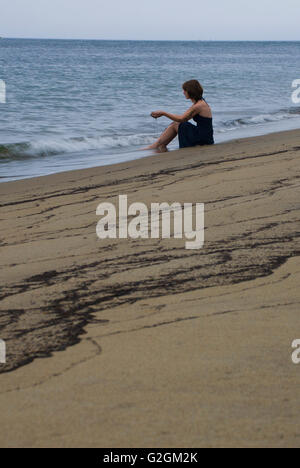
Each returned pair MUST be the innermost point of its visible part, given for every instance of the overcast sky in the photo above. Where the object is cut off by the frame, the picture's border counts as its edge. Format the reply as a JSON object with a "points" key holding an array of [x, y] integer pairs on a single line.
{"points": [[151, 19]]}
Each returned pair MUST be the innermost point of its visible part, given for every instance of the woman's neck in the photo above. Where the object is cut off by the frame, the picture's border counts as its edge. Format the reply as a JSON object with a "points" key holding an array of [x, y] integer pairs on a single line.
{"points": [[194, 101]]}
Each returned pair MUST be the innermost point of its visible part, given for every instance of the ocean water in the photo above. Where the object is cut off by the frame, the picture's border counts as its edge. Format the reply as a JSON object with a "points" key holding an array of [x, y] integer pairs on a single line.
{"points": [[76, 104]]}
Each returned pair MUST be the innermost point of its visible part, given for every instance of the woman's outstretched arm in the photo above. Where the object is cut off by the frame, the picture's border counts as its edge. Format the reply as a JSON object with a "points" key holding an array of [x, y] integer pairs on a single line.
{"points": [[177, 118]]}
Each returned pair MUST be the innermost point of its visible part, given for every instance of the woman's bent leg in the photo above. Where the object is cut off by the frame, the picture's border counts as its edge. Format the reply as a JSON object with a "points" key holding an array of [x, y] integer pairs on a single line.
{"points": [[166, 137]]}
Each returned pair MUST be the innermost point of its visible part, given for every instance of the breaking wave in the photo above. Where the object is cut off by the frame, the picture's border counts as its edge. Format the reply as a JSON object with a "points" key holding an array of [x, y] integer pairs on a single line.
{"points": [[56, 146], [244, 122], [48, 147]]}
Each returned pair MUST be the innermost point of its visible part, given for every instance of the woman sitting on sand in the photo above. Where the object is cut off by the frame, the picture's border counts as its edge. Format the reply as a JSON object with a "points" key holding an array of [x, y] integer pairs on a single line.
{"points": [[188, 134]]}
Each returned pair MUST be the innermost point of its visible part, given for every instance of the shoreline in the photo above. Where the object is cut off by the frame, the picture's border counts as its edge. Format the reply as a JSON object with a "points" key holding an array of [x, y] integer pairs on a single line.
{"points": [[231, 141], [130, 328]]}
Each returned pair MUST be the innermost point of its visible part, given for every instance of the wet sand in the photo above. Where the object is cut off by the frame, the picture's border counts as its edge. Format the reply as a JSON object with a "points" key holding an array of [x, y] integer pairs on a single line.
{"points": [[142, 343]]}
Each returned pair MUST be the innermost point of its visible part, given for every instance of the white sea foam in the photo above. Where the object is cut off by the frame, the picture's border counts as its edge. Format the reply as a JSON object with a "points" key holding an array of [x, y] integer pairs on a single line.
{"points": [[49, 146], [56, 146], [260, 119]]}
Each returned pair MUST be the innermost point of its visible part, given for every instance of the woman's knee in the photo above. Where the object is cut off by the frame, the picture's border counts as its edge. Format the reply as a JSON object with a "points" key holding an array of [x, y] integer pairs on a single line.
{"points": [[174, 125]]}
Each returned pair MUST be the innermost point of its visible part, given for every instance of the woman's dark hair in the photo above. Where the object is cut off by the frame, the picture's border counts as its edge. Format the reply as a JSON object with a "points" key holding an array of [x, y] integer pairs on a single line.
{"points": [[194, 89]]}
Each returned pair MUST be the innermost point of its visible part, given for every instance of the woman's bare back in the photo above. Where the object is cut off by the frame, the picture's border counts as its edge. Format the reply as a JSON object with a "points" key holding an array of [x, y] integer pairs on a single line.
{"points": [[203, 109]]}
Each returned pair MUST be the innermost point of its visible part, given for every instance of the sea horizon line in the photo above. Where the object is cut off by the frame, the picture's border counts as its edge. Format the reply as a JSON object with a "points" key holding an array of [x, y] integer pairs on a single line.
{"points": [[148, 40]]}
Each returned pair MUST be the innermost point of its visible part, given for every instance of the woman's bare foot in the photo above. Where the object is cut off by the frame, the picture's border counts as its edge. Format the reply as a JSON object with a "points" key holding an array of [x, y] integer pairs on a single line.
{"points": [[154, 146], [157, 148], [162, 149]]}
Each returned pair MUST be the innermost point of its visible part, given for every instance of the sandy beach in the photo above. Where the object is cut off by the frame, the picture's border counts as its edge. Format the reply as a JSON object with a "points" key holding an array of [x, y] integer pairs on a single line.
{"points": [[143, 343]]}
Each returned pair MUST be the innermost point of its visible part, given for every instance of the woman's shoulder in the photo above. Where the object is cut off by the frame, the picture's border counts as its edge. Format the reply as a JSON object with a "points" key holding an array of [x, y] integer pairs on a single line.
{"points": [[201, 103]]}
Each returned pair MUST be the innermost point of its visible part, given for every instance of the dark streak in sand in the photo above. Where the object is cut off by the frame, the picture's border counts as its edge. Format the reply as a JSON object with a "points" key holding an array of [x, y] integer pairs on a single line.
{"points": [[59, 321]]}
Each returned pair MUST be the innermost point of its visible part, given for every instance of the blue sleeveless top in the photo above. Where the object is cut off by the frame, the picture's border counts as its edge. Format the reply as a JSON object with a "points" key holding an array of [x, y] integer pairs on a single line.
{"points": [[192, 135]]}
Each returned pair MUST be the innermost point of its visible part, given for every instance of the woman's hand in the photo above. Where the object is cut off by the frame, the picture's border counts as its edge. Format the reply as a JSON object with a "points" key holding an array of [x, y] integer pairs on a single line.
{"points": [[157, 114]]}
